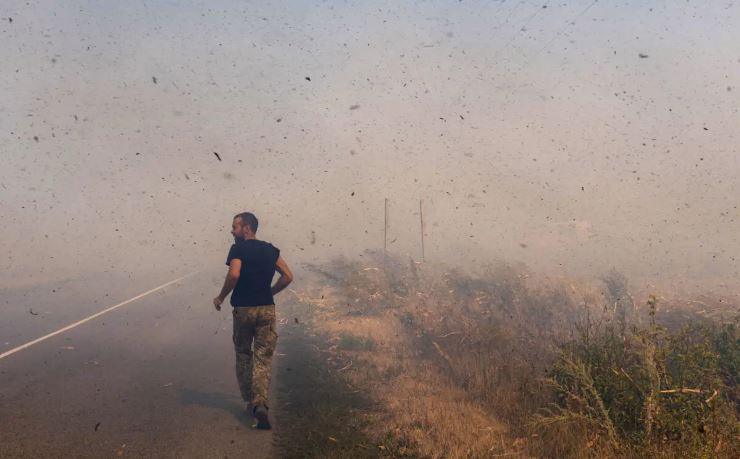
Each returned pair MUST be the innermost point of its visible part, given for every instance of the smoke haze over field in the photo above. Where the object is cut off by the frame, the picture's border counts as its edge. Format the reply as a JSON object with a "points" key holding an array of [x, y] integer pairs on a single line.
{"points": [[573, 136]]}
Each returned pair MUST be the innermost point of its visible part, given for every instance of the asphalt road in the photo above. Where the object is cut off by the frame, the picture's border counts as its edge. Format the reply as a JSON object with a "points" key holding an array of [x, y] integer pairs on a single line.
{"points": [[154, 378]]}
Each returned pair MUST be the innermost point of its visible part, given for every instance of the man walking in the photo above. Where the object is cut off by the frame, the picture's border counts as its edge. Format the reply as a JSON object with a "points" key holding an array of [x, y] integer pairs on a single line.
{"points": [[252, 265]]}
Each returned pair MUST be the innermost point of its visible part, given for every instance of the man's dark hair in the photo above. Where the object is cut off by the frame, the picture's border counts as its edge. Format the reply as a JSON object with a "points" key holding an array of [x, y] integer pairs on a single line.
{"points": [[249, 219]]}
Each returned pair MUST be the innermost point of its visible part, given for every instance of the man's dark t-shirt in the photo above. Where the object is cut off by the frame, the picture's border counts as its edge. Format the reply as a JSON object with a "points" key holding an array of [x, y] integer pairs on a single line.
{"points": [[254, 287]]}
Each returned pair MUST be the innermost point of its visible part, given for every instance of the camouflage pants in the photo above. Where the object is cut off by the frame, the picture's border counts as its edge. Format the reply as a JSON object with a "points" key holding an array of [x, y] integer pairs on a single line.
{"points": [[254, 323]]}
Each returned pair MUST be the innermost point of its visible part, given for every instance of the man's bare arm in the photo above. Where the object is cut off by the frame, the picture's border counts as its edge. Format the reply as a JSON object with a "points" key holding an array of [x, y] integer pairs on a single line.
{"points": [[229, 283], [286, 277]]}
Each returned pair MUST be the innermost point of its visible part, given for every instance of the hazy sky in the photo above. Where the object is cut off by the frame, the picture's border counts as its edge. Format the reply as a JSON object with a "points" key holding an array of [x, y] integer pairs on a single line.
{"points": [[568, 135]]}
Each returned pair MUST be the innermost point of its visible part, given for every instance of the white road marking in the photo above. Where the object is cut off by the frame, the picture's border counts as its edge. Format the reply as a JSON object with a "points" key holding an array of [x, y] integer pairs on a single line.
{"points": [[87, 319]]}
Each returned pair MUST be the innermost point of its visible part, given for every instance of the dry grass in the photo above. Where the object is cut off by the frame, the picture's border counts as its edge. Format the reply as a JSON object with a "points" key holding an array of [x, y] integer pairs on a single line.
{"points": [[461, 365], [420, 411]]}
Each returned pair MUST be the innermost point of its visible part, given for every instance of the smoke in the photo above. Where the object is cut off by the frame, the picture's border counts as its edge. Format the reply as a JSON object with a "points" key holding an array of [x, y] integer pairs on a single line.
{"points": [[573, 138]]}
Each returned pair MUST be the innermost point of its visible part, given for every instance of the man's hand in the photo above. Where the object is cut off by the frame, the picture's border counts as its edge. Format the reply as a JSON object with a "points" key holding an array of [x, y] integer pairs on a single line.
{"points": [[286, 277], [229, 283]]}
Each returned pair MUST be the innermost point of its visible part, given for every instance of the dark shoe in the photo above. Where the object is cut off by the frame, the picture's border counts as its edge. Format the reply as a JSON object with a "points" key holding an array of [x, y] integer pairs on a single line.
{"points": [[260, 413]]}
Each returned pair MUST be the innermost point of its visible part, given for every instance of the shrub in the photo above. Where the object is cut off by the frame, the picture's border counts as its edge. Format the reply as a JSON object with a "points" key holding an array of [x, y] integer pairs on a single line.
{"points": [[647, 392]]}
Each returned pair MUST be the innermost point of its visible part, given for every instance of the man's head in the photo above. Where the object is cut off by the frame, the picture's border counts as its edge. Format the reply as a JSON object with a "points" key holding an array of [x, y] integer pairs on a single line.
{"points": [[244, 226]]}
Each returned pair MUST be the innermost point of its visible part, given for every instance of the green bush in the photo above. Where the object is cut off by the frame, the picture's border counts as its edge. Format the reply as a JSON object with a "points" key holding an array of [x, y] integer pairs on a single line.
{"points": [[647, 392]]}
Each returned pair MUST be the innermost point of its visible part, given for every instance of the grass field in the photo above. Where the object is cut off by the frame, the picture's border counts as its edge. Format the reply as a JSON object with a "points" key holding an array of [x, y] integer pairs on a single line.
{"points": [[506, 364]]}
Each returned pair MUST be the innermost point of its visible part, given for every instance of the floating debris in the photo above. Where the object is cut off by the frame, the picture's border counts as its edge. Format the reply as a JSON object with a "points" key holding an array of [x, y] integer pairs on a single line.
{"points": [[217, 156]]}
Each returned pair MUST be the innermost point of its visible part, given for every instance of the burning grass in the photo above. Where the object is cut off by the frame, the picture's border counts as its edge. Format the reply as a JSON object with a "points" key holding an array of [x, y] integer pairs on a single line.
{"points": [[503, 363]]}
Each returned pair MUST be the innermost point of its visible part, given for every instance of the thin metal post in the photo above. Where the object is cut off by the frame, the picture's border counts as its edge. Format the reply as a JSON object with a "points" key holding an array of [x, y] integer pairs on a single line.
{"points": [[385, 229], [421, 217]]}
